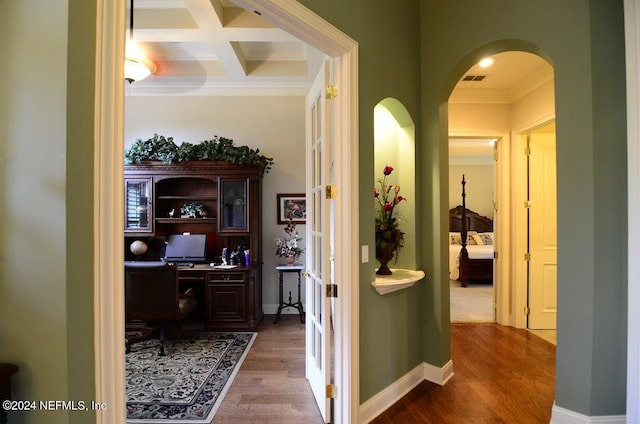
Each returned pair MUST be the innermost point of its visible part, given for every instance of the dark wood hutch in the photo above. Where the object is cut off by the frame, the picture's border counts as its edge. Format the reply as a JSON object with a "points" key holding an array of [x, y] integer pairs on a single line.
{"points": [[228, 199]]}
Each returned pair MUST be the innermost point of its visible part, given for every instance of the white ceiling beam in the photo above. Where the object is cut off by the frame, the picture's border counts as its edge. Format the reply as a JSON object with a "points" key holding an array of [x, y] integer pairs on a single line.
{"points": [[208, 15], [169, 35]]}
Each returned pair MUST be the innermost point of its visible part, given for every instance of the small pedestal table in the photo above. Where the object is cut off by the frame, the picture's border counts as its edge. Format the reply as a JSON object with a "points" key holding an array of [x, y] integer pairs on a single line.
{"points": [[282, 269]]}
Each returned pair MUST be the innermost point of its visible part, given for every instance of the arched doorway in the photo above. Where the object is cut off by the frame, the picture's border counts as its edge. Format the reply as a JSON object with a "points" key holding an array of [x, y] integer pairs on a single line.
{"points": [[496, 104]]}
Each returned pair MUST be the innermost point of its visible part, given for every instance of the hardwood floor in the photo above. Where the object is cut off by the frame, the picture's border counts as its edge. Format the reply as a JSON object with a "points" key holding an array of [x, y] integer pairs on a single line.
{"points": [[502, 375], [271, 387]]}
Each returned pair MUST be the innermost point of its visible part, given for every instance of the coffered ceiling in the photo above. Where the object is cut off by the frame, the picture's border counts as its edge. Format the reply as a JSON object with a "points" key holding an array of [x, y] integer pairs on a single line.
{"points": [[214, 47]]}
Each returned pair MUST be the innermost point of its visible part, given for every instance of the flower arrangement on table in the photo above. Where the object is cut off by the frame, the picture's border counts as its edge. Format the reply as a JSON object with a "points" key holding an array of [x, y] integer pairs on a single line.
{"points": [[389, 238], [288, 246]]}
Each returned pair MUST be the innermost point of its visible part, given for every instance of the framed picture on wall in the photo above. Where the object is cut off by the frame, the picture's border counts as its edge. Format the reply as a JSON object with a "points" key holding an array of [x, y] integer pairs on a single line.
{"points": [[292, 207]]}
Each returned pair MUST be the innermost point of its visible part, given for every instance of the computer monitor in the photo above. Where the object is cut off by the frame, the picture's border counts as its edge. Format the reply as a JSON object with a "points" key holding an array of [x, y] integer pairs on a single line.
{"points": [[186, 248]]}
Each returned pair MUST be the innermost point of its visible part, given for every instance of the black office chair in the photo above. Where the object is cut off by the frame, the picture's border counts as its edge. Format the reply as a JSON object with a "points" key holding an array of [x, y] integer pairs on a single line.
{"points": [[152, 296]]}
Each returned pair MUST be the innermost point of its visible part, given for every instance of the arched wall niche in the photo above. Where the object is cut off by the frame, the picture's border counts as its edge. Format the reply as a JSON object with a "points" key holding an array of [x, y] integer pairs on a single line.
{"points": [[394, 144]]}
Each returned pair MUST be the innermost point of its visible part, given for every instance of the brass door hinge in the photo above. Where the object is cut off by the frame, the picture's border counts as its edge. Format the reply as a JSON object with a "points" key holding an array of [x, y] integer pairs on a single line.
{"points": [[527, 310], [527, 204], [331, 192], [527, 256], [331, 391], [495, 206], [527, 151], [332, 290], [331, 92]]}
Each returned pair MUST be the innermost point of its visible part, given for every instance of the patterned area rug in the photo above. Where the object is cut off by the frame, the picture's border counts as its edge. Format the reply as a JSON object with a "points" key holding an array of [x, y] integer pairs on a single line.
{"points": [[188, 384]]}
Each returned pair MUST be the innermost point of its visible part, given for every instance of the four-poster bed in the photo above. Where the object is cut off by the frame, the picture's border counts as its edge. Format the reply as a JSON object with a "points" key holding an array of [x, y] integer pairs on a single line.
{"points": [[470, 244]]}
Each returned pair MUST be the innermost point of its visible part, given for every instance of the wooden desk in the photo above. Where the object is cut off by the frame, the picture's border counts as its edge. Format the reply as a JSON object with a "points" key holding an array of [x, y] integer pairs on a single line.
{"points": [[282, 269], [231, 298], [228, 299]]}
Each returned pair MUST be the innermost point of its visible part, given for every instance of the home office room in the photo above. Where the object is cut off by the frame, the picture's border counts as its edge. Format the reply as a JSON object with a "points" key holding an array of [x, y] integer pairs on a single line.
{"points": [[214, 181], [63, 245]]}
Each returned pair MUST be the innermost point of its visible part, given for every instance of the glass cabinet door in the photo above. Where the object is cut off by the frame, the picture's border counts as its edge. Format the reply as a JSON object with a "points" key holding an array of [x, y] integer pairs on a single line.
{"points": [[138, 213], [233, 205]]}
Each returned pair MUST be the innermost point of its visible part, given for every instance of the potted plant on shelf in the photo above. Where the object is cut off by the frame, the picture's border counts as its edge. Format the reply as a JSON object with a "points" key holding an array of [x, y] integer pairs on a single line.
{"points": [[164, 149], [193, 210], [389, 238], [287, 247]]}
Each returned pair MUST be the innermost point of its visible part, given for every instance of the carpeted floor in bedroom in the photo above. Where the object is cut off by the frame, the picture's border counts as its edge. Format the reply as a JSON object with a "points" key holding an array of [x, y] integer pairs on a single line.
{"points": [[474, 303]]}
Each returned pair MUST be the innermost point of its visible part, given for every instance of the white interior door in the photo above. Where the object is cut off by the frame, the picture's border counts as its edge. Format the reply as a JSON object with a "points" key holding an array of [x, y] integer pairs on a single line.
{"points": [[543, 242], [319, 242]]}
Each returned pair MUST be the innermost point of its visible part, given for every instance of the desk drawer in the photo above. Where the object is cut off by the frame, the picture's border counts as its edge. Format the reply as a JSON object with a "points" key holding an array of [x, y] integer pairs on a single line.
{"points": [[226, 277], [191, 276]]}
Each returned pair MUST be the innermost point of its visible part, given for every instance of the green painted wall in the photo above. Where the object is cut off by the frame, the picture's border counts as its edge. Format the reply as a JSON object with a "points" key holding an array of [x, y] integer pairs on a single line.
{"points": [[46, 167], [410, 50], [388, 36], [584, 41]]}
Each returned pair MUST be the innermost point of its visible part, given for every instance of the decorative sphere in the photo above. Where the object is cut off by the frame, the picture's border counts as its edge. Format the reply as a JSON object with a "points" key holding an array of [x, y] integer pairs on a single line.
{"points": [[138, 247]]}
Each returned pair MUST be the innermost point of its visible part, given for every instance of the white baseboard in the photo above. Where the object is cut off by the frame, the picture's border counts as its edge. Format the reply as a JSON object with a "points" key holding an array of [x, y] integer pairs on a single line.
{"points": [[565, 416], [438, 375], [393, 393]]}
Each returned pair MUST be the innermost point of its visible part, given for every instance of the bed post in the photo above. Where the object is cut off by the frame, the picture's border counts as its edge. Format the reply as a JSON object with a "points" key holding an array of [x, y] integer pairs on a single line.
{"points": [[464, 255]]}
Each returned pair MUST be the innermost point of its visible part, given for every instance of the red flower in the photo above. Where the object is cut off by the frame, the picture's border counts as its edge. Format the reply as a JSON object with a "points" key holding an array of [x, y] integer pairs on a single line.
{"points": [[388, 232]]}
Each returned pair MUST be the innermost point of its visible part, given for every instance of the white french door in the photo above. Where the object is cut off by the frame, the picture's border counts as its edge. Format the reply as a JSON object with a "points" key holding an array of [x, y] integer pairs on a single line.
{"points": [[319, 248]]}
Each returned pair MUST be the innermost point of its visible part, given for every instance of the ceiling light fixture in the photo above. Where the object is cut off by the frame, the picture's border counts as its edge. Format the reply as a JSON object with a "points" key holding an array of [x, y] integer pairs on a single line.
{"points": [[486, 62], [136, 66]]}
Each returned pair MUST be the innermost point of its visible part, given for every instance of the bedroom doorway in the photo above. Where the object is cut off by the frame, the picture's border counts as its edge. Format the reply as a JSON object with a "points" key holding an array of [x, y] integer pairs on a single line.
{"points": [[472, 157]]}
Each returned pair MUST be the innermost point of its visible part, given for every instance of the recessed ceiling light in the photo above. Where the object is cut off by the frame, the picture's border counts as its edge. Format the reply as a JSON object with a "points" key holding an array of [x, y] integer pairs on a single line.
{"points": [[487, 61]]}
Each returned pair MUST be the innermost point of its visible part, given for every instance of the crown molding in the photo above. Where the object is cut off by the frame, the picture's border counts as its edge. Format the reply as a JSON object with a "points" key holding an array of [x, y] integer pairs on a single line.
{"points": [[503, 95], [533, 81], [480, 95], [273, 89]]}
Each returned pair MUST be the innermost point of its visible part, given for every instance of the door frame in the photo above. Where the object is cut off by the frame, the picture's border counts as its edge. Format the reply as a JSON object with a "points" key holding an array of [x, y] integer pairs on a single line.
{"points": [[502, 286], [108, 198]]}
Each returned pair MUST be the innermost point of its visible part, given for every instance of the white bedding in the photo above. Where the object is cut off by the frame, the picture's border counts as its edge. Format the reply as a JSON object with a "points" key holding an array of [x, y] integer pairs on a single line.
{"points": [[474, 251]]}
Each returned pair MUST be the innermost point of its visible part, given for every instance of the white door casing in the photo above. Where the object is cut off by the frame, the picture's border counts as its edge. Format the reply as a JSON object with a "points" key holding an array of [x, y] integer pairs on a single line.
{"points": [[109, 299]]}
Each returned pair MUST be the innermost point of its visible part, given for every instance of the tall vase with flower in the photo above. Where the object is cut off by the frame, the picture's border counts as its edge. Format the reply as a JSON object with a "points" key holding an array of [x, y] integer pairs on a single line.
{"points": [[389, 238], [288, 247]]}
